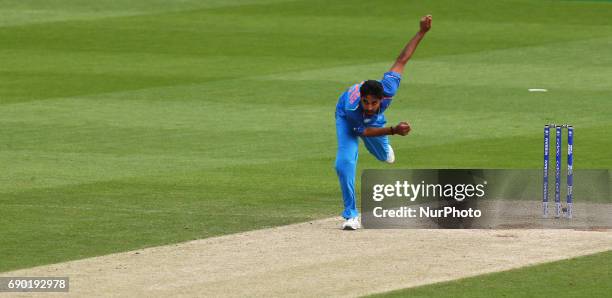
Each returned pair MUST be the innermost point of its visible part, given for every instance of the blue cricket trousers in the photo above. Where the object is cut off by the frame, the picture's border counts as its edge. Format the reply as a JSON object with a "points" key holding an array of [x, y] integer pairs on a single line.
{"points": [[346, 160]]}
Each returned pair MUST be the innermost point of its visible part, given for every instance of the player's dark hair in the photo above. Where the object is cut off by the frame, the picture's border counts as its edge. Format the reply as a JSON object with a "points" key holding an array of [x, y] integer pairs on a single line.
{"points": [[371, 87]]}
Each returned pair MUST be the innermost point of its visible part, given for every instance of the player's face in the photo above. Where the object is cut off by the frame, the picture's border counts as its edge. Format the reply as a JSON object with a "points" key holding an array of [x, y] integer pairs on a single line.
{"points": [[370, 104]]}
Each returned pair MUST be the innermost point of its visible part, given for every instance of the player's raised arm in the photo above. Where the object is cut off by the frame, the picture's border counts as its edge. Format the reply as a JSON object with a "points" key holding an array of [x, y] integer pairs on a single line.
{"points": [[409, 49]]}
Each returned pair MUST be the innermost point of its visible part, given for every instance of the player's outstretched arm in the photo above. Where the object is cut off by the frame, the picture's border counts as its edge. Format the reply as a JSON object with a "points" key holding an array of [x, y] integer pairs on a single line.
{"points": [[409, 49], [403, 128]]}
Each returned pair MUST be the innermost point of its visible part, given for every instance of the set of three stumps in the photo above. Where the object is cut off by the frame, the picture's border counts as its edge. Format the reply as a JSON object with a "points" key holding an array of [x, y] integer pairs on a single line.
{"points": [[570, 171]]}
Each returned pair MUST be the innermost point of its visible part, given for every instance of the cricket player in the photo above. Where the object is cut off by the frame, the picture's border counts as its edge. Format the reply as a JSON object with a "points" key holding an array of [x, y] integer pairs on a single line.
{"points": [[359, 114]]}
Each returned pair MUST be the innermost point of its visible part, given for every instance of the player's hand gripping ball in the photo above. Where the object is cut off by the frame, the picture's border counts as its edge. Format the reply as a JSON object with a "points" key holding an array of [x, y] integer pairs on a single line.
{"points": [[403, 128]]}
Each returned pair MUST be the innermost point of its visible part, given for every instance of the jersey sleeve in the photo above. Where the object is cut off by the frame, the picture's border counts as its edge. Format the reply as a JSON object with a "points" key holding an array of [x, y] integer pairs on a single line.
{"points": [[385, 103], [391, 81]]}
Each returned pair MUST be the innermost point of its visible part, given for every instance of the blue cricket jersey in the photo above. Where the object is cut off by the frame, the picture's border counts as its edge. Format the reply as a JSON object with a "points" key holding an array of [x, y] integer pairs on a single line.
{"points": [[349, 106]]}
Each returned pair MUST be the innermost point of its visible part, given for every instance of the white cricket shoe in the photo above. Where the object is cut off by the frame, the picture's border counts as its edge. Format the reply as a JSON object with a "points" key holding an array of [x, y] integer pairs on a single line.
{"points": [[351, 224], [390, 155]]}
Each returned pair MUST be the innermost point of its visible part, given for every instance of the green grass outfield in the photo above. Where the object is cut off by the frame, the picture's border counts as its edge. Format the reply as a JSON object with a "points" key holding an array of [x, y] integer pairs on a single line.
{"points": [[128, 124], [579, 277]]}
